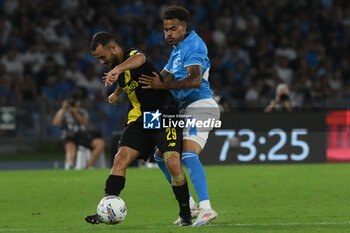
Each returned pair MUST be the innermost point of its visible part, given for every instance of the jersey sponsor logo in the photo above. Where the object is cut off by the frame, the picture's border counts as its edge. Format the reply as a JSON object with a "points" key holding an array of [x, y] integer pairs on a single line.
{"points": [[151, 120], [130, 87]]}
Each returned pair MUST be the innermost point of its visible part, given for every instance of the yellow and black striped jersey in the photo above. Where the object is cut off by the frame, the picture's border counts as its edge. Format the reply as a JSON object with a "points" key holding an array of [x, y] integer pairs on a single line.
{"points": [[143, 99]]}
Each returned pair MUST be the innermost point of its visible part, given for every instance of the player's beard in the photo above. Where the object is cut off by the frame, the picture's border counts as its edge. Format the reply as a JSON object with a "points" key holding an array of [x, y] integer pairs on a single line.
{"points": [[175, 41], [114, 61]]}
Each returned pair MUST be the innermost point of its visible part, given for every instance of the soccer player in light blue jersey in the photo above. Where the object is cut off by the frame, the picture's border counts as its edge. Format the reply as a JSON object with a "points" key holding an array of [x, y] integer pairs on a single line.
{"points": [[186, 75]]}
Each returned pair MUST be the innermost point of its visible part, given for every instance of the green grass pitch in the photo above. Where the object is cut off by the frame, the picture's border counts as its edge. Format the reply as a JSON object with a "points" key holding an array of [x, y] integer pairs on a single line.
{"points": [[248, 198]]}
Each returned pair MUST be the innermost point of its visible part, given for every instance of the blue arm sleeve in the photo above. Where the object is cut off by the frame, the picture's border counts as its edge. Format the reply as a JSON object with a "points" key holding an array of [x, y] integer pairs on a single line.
{"points": [[194, 59]]}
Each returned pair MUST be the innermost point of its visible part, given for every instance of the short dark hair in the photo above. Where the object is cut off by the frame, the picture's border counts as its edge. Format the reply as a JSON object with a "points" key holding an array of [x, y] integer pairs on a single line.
{"points": [[101, 38], [175, 12]]}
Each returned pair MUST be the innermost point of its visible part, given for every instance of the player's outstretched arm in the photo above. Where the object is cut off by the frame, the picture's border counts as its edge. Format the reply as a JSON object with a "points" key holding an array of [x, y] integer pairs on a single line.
{"points": [[132, 62], [193, 80]]}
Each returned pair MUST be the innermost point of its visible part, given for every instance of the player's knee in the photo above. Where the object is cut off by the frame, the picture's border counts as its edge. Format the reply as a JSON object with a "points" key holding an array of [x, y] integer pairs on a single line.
{"points": [[173, 164], [124, 157], [190, 145], [172, 160], [121, 160]]}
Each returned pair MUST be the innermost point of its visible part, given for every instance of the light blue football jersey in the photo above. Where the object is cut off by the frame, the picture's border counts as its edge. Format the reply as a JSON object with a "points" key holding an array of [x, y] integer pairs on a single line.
{"points": [[191, 51]]}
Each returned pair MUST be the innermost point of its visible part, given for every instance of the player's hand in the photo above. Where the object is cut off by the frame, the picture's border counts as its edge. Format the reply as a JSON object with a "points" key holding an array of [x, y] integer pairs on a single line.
{"points": [[111, 77], [152, 82], [113, 98]]}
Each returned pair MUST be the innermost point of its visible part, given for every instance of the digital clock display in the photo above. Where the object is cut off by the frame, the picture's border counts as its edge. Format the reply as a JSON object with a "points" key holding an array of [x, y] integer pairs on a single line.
{"points": [[267, 138], [248, 143]]}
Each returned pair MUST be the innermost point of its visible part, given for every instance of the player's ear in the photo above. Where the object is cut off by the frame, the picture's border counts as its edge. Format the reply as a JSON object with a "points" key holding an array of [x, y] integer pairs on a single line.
{"points": [[113, 47], [185, 27]]}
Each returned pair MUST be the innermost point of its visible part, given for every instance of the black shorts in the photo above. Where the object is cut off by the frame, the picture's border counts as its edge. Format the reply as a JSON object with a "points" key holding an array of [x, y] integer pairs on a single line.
{"points": [[82, 138], [146, 140]]}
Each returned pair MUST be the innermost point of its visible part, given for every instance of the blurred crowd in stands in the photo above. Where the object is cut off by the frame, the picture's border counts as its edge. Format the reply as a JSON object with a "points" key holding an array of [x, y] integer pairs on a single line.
{"points": [[253, 46]]}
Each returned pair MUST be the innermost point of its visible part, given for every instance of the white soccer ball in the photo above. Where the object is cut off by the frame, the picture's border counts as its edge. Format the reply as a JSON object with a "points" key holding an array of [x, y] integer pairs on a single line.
{"points": [[111, 210]]}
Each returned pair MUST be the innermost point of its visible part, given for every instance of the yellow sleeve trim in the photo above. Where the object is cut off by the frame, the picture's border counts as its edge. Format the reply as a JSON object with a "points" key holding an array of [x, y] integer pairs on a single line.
{"points": [[133, 52]]}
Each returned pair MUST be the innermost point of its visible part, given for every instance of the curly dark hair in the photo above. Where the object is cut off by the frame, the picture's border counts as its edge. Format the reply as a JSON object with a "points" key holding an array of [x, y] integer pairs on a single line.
{"points": [[176, 12]]}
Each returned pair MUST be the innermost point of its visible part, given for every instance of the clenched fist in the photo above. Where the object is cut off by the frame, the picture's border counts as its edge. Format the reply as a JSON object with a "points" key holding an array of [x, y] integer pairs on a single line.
{"points": [[113, 98]]}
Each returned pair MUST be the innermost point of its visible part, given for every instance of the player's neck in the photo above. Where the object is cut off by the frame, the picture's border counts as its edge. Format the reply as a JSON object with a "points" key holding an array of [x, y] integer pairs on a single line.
{"points": [[120, 55], [184, 37]]}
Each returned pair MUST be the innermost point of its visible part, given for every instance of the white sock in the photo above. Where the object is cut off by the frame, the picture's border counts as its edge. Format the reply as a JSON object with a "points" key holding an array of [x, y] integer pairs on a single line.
{"points": [[205, 204], [192, 203], [67, 165]]}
